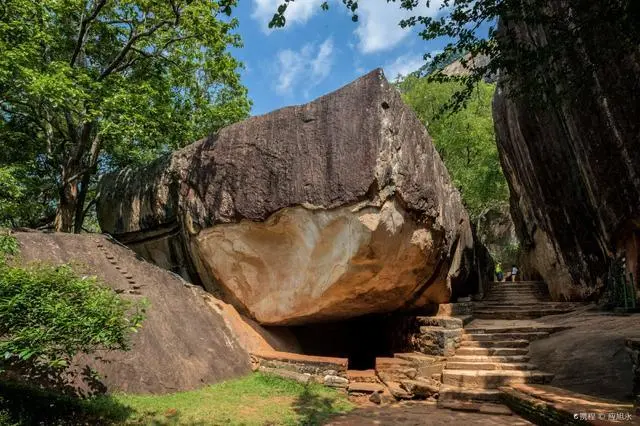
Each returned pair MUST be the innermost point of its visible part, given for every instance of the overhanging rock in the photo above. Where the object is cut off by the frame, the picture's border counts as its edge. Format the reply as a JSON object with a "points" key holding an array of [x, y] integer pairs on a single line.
{"points": [[325, 211]]}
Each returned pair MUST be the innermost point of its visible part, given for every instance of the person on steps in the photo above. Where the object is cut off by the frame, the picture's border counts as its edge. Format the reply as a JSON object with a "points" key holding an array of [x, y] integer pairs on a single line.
{"points": [[499, 273], [514, 272]]}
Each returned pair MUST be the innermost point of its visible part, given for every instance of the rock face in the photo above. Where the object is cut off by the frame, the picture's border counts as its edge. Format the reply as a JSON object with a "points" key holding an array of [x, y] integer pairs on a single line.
{"points": [[573, 166], [183, 343], [329, 210]]}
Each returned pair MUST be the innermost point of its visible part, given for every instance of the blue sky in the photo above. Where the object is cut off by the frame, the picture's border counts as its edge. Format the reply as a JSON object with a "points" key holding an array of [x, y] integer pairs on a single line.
{"points": [[319, 51]]}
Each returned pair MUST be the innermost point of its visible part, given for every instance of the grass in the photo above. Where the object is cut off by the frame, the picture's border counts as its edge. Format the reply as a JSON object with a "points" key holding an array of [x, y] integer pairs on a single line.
{"points": [[256, 399]]}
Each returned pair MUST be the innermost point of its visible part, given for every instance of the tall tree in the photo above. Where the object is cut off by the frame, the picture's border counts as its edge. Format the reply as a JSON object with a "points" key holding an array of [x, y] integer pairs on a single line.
{"points": [[88, 85], [465, 140]]}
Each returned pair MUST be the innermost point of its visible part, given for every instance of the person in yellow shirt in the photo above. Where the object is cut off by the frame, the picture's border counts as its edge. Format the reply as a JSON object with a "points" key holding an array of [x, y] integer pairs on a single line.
{"points": [[499, 273]]}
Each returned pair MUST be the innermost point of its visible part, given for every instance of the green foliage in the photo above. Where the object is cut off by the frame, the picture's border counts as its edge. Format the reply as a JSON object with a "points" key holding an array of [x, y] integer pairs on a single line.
{"points": [[86, 86], [8, 245], [464, 139], [48, 314]]}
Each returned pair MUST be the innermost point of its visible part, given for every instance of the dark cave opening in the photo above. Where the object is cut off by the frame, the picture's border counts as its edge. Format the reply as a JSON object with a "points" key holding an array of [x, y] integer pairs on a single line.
{"points": [[361, 340]]}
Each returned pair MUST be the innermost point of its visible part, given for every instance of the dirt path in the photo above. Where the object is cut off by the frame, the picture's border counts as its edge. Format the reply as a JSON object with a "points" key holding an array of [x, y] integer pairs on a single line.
{"points": [[421, 414]]}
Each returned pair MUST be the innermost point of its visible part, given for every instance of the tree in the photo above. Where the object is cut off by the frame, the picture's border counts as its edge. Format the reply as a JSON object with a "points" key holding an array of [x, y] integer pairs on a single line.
{"points": [[465, 140], [526, 62], [89, 85]]}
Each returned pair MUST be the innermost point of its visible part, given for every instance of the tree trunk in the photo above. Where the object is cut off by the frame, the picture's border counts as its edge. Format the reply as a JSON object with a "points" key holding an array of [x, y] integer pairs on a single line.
{"points": [[66, 207], [84, 185]]}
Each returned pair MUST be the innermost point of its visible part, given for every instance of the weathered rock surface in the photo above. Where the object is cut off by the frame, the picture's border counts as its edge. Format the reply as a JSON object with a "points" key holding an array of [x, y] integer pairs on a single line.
{"points": [[572, 166], [183, 343], [330, 210]]}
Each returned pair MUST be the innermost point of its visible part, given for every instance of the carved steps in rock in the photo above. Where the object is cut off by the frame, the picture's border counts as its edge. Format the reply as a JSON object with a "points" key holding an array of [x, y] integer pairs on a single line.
{"points": [[492, 351], [493, 379], [516, 359], [481, 337], [458, 365], [498, 329], [517, 314], [512, 343]]}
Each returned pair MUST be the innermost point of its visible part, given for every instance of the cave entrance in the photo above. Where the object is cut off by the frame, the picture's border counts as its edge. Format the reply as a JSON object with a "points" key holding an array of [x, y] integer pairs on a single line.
{"points": [[361, 340]]}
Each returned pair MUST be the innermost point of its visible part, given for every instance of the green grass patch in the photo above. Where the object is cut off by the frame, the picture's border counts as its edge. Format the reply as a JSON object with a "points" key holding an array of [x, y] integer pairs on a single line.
{"points": [[256, 399]]}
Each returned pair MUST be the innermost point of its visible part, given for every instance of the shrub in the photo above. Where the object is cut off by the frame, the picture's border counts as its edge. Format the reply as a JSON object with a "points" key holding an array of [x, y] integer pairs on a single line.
{"points": [[49, 314]]}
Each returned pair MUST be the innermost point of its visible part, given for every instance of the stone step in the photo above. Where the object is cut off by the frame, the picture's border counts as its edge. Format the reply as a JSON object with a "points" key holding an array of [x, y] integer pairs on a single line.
{"points": [[514, 359], [495, 329], [454, 365], [362, 376], [492, 351], [540, 306], [488, 379], [455, 393], [516, 315], [476, 407], [483, 337], [514, 343], [365, 387], [518, 297]]}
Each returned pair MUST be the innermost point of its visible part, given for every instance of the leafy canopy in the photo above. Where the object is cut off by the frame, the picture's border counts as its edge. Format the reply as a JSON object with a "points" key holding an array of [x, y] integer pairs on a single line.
{"points": [[90, 85], [465, 140]]}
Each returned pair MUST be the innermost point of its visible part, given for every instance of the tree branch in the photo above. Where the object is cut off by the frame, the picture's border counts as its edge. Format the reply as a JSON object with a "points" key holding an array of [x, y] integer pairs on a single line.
{"points": [[83, 31], [127, 47]]}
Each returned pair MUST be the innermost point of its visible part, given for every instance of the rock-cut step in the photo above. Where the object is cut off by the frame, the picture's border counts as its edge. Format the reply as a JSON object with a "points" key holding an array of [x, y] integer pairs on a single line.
{"points": [[493, 379], [466, 350], [461, 365], [512, 343], [515, 359], [516, 314], [484, 337]]}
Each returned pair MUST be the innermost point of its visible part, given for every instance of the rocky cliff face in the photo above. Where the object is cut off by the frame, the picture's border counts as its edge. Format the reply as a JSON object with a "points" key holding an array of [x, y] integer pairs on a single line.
{"points": [[573, 165], [330, 210]]}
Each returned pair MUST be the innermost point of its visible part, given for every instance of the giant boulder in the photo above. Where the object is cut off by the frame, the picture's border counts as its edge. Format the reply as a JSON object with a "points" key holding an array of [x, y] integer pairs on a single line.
{"points": [[325, 211], [573, 164]]}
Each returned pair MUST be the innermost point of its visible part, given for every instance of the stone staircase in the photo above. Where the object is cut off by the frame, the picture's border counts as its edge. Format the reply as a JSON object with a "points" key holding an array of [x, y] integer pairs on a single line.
{"points": [[494, 348], [519, 300]]}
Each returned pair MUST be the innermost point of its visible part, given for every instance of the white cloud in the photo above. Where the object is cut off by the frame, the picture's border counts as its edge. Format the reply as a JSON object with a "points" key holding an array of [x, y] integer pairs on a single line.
{"points": [[403, 65], [321, 65], [378, 28], [310, 65], [297, 12]]}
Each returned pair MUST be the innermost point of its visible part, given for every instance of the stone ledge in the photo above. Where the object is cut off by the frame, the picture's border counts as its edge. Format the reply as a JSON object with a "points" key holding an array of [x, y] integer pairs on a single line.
{"points": [[543, 404], [319, 368], [293, 357]]}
